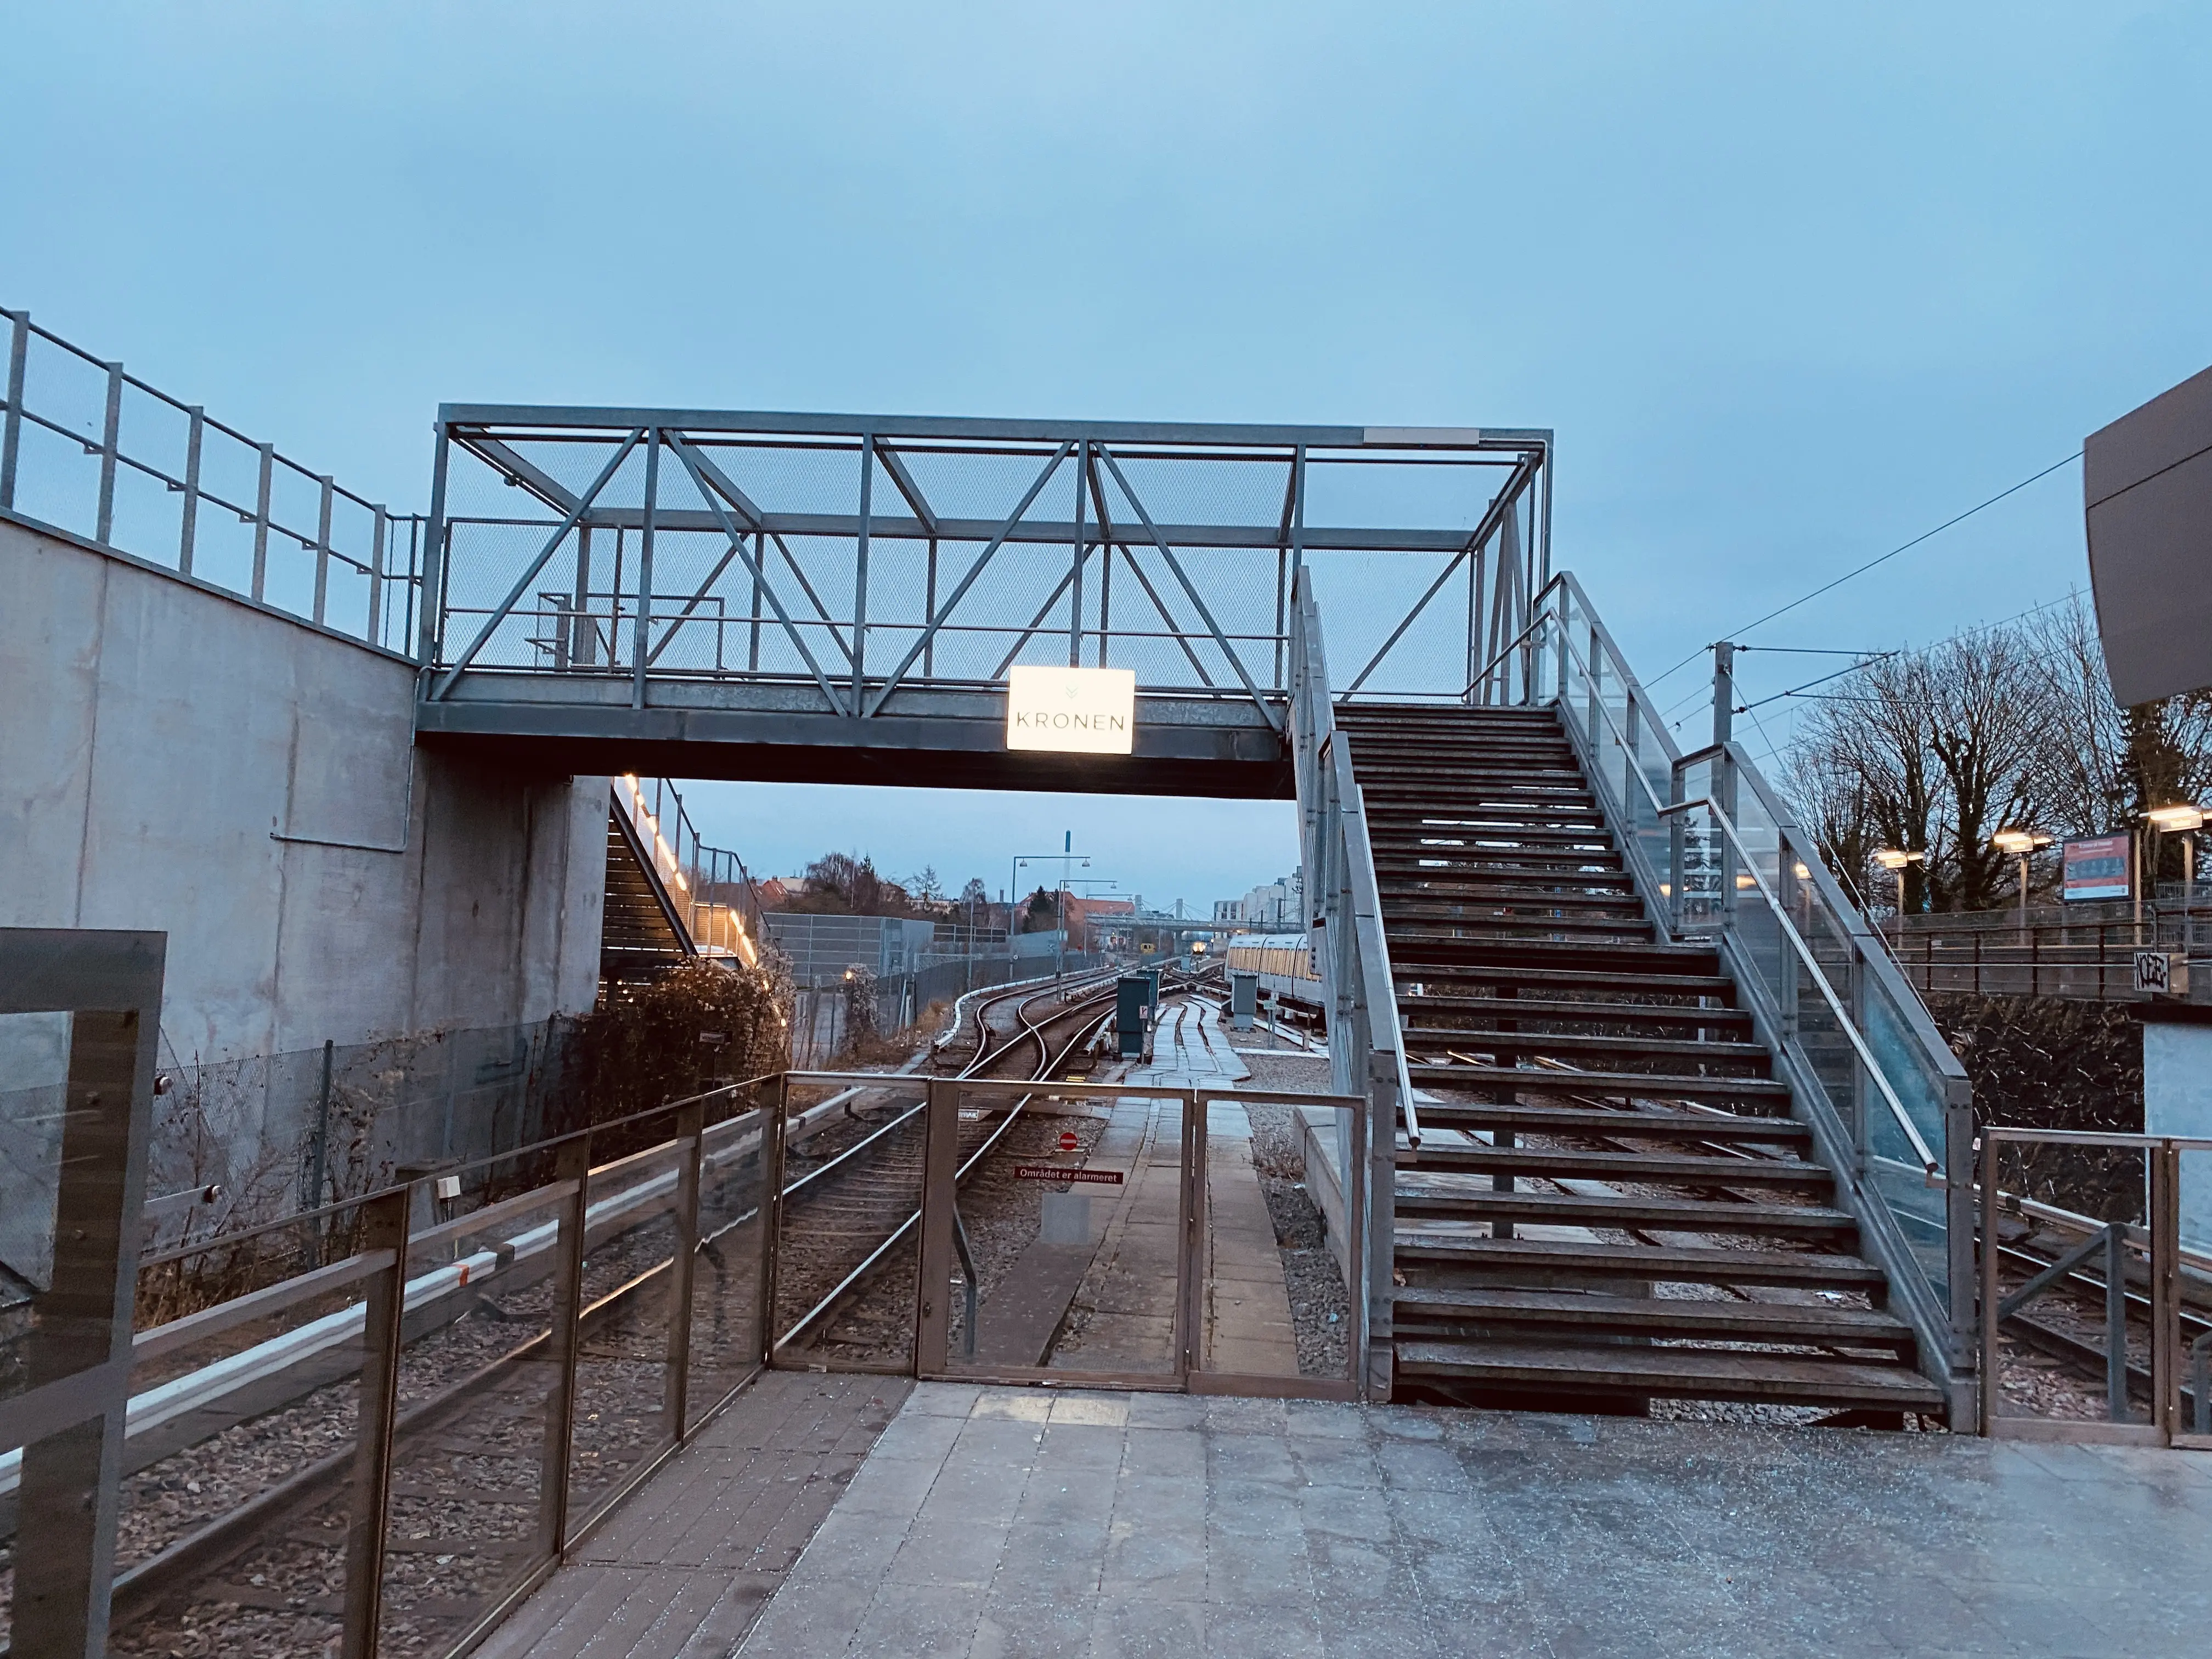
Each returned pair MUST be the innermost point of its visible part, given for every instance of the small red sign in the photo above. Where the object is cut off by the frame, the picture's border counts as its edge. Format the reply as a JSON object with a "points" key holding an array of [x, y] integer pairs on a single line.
{"points": [[1067, 1172], [1068, 1143]]}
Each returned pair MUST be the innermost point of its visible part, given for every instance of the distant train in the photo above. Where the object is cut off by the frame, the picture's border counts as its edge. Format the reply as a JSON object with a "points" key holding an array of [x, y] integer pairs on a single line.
{"points": [[1283, 963]]}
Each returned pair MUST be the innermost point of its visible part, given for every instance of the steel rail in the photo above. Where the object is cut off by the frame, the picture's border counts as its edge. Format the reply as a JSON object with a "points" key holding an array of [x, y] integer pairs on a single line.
{"points": [[1048, 1059]]}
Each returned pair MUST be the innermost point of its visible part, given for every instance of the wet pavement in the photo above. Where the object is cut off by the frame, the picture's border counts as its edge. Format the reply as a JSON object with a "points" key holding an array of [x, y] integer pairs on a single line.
{"points": [[1004, 1522]]}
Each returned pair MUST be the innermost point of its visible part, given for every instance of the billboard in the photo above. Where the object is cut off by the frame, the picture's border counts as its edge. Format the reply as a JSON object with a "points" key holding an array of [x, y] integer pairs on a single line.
{"points": [[2147, 504], [2099, 867]]}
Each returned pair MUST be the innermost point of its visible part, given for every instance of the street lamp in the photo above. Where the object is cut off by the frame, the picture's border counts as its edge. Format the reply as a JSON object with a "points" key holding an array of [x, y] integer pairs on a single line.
{"points": [[2020, 843], [1068, 858], [1895, 861], [2184, 821]]}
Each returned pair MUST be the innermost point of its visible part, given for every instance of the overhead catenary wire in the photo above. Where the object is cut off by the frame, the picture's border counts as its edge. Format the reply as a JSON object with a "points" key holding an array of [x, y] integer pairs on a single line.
{"points": [[1860, 570], [1874, 656]]}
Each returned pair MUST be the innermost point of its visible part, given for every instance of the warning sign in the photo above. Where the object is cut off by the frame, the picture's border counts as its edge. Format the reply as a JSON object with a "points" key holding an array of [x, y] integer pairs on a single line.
{"points": [[1067, 1172]]}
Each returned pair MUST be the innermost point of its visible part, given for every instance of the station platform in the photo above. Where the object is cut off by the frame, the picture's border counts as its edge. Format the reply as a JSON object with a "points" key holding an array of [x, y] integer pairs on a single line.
{"points": [[1001, 1523]]}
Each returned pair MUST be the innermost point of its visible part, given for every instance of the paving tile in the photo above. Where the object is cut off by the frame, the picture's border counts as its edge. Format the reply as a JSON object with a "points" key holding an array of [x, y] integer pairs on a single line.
{"points": [[949, 1552], [1033, 1630], [1162, 1561], [1150, 1626], [920, 1619], [1148, 1451]]}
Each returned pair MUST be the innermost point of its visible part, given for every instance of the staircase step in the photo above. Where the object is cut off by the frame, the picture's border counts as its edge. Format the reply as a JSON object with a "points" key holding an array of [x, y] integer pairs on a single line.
{"points": [[1510, 929], [1652, 1168], [1569, 979], [1491, 1009], [1398, 821], [1438, 864], [1566, 1262], [1409, 895], [1604, 1123], [1431, 947], [1676, 1373], [1620, 1211], [1561, 1045], [1641, 1085], [1590, 1313]]}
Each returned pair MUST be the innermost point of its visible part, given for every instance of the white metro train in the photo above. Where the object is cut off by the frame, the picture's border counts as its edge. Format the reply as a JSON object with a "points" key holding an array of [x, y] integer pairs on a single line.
{"points": [[1283, 963]]}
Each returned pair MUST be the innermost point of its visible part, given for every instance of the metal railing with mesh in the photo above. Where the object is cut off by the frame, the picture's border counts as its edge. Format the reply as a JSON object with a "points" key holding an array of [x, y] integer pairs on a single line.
{"points": [[854, 561]]}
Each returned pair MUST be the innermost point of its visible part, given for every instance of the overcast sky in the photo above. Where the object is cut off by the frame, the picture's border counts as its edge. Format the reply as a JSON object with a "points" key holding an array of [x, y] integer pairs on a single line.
{"points": [[1793, 284]]}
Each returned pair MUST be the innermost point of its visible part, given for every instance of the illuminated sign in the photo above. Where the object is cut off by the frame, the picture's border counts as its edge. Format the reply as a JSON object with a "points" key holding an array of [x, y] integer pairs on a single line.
{"points": [[2098, 867], [1081, 711]]}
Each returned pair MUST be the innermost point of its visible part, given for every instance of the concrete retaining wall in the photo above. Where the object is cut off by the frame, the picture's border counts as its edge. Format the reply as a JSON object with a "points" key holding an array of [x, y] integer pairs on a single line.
{"points": [[174, 757]]}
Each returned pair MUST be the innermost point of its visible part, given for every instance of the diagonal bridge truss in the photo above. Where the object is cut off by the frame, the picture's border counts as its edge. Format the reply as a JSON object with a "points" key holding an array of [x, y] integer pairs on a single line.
{"points": [[775, 582]]}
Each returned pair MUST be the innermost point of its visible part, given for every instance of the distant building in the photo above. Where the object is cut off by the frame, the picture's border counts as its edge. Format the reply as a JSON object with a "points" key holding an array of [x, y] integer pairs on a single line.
{"points": [[1271, 907]]}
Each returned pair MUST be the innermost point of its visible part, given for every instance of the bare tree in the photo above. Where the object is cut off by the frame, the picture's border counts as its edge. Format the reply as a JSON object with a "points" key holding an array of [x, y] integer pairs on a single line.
{"points": [[1933, 751], [2101, 766], [1987, 728]]}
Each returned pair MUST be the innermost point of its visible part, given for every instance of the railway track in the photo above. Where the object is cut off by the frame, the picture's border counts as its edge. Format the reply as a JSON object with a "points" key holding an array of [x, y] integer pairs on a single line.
{"points": [[253, 1514], [846, 1220]]}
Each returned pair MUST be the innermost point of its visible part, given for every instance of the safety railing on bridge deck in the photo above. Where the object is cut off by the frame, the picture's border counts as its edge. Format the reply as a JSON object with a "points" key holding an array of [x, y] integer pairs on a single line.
{"points": [[1367, 1052], [851, 560], [90, 449], [710, 887], [1721, 857]]}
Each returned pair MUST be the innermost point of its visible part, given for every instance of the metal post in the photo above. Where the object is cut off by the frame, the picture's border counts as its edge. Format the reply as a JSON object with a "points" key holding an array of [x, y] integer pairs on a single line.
{"points": [[690, 1124], [11, 430], [861, 573], [939, 1199], [760, 564], [323, 549], [1723, 691], [111, 432], [1106, 605], [1990, 1356], [929, 609], [384, 1227], [776, 1096], [1075, 574], [261, 520], [573, 1161], [379, 530], [2115, 1324], [643, 627], [434, 544], [2165, 1220], [189, 525], [79, 1340]]}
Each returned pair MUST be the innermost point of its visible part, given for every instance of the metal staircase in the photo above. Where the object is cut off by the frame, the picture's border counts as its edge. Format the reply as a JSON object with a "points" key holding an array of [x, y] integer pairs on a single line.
{"points": [[642, 931], [1607, 1123], [1669, 1124]]}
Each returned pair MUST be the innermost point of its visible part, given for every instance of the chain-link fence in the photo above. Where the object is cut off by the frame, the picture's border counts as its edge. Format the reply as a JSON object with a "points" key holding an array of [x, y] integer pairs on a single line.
{"points": [[857, 558]]}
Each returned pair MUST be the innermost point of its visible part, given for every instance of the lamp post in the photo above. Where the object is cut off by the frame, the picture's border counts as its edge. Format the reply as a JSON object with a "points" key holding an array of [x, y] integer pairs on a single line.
{"points": [[1068, 858], [2184, 821], [2020, 843], [1895, 861]]}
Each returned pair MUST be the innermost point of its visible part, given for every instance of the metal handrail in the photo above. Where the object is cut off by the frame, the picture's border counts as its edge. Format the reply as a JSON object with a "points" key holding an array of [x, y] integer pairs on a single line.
{"points": [[1932, 1164], [1512, 645], [1347, 822]]}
